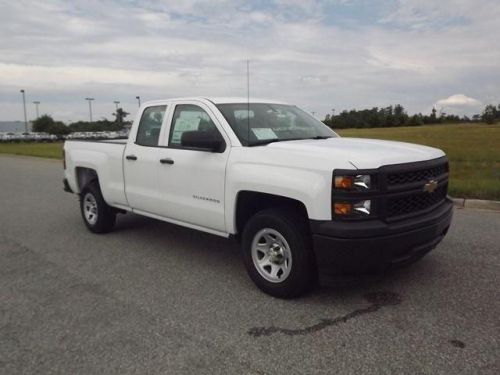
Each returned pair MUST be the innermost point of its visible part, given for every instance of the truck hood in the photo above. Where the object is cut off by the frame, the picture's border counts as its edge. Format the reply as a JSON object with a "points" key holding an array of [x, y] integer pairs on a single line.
{"points": [[360, 152]]}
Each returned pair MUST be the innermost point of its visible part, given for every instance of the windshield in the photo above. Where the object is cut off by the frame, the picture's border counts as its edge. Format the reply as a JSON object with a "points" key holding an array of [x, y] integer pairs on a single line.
{"points": [[262, 123]]}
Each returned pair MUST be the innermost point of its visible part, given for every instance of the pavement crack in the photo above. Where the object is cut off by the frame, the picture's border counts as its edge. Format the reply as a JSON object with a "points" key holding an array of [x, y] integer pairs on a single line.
{"points": [[376, 300]]}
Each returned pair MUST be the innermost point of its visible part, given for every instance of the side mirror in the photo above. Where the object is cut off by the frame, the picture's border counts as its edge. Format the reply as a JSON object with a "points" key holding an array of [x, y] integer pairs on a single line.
{"points": [[205, 141]]}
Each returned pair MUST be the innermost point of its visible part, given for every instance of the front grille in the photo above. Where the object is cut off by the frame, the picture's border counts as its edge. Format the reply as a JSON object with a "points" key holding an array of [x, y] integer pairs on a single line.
{"points": [[416, 175], [399, 191], [416, 202]]}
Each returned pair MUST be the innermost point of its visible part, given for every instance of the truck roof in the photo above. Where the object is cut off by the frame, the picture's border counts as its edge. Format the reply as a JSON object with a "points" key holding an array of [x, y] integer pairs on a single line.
{"points": [[227, 100], [221, 100]]}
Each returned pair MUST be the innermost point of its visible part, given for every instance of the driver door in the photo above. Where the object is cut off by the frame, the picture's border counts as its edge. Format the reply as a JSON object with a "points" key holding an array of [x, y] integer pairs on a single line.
{"points": [[192, 182]]}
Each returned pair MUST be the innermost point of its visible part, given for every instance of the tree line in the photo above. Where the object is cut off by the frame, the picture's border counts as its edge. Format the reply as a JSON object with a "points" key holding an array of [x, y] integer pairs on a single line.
{"points": [[396, 115], [46, 124], [375, 117]]}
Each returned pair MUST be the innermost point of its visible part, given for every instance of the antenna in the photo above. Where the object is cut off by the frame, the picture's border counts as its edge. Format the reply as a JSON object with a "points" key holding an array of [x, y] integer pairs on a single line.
{"points": [[248, 102]]}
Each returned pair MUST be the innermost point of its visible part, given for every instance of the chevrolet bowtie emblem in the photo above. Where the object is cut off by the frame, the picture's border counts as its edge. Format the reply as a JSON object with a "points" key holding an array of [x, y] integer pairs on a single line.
{"points": [[431, 186]]}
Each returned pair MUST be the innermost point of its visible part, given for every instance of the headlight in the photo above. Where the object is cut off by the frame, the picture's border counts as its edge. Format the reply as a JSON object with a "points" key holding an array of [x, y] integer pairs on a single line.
{"points": [[357, 209], [359, 182]]}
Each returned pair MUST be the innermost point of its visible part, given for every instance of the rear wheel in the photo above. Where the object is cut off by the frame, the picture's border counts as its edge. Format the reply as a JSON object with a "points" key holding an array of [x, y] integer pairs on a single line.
{"points": [[278, 253], [96, 214]]}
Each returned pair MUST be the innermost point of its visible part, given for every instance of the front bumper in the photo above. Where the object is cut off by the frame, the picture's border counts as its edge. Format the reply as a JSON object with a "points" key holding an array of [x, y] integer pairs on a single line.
{"points": [[365, 246]]}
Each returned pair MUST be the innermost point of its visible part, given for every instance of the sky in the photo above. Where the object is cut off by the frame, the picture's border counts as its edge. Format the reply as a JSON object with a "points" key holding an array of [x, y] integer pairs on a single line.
{"points": [[320, 55]]}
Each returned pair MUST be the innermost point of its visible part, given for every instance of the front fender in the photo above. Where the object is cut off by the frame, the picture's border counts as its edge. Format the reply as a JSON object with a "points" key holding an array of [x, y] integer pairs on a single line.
{"points": [[311, 187]]}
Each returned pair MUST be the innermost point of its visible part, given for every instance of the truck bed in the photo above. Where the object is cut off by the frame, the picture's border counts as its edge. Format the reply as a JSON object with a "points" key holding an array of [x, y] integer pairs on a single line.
{"points": [[105, 157]]}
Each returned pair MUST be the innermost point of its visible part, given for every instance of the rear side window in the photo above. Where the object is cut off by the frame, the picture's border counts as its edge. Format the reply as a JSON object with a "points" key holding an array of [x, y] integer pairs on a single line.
{"points": [[148, 132]]}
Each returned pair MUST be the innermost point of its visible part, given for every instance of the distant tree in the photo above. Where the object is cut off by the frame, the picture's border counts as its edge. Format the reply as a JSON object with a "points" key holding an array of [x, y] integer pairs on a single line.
{"points": [[59, 128], [120, 115], [391, 116], [490, 114], [46, 124], [400, 115], [42, 124], [416, 120], [390, 119]]}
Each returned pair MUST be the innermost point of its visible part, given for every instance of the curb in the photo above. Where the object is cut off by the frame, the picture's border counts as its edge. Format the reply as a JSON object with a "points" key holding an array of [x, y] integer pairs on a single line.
{"points": [[476, 203]]}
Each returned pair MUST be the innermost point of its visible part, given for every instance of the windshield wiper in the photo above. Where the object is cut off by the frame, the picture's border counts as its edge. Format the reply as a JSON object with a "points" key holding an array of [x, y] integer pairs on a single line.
{"points": [[267, 141], [320, 137]]}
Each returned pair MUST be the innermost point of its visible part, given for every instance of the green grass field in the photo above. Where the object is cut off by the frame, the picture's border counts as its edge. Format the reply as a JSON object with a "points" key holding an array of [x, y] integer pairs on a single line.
{"points": [[43, 150], [473, 151]]}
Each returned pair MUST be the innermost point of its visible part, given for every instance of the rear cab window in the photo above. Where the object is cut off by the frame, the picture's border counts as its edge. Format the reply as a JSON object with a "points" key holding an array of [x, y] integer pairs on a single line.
{"points": [[148, 132]]}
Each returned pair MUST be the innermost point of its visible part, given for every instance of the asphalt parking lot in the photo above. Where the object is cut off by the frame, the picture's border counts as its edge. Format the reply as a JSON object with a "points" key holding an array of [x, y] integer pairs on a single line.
{"points": [[152, 297]]}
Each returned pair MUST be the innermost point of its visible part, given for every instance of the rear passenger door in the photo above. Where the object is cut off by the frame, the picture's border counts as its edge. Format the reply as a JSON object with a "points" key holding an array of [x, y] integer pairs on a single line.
{"points": [[141, 164], [192, 182]]}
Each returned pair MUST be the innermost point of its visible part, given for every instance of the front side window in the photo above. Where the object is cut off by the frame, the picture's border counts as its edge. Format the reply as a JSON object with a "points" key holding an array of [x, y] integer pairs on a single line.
{"points": [[261, 123], [148, 132], [189, 118]]}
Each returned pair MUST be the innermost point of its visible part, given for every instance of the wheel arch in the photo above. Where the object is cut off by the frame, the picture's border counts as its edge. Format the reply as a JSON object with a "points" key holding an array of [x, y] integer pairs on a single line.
{"points": [[248, 203], [84, 176]]}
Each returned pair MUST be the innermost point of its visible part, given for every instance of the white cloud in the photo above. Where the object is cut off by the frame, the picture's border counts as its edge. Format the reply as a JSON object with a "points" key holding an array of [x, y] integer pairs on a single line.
{"points": [[458, 100], [414, 54]]}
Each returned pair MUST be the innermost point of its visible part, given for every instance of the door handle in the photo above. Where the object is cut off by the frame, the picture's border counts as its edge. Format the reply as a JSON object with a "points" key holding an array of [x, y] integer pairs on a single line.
{"points": [[167, 161], [131, 157]]}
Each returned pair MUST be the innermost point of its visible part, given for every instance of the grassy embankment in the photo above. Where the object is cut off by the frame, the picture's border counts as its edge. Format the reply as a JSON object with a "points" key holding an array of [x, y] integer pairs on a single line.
{"points": [[42, 150], [473, 150]]}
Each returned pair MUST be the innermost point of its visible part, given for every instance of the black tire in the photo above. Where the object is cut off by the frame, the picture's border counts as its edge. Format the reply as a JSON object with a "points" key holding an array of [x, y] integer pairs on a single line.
{"points": [[293, 228], [105, 216]]}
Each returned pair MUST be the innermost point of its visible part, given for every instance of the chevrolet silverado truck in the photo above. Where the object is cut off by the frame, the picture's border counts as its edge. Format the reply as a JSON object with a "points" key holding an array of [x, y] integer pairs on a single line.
{"points": [[298, 197]]}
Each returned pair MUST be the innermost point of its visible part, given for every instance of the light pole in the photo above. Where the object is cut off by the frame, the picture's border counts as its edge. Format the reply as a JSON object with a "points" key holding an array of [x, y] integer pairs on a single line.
{"points": [[37, 103], [138, 100], [90, 107], [116, 103], [25, 117]]}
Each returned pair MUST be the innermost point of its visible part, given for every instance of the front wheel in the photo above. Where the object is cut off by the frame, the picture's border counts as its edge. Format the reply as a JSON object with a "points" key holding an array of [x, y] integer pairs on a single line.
{"points": [[96, 214], [278, 253]]}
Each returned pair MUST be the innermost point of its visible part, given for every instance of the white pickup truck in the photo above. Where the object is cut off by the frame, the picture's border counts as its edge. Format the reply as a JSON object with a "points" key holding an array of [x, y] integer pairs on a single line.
{"points": [[296, 195]]}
